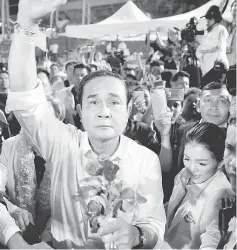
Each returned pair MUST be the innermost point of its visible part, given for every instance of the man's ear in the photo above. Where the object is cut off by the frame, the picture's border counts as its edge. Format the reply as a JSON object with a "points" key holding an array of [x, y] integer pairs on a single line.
{"points": [[130, 104], [198, 106], [78, 108]]}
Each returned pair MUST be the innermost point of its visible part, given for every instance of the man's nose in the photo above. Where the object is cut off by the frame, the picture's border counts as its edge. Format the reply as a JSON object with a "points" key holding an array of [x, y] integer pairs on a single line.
{"points": [[214, 105], [104, 111]]}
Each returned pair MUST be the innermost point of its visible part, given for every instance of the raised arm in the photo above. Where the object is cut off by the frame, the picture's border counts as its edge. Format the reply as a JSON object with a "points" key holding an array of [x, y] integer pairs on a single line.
{"points": [[26, 97], [22, 53]]}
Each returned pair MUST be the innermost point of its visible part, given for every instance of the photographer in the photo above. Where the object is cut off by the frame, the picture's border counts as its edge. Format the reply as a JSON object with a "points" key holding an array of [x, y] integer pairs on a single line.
{"points": [[213, 45]]}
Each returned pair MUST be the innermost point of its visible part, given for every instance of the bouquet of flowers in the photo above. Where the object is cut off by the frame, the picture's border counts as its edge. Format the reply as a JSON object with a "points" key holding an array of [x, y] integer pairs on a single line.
{"points": [[102, 195]]}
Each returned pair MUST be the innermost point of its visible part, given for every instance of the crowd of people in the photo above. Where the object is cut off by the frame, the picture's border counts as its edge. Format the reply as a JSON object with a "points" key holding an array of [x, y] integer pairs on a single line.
{"points": [[105, 154]]}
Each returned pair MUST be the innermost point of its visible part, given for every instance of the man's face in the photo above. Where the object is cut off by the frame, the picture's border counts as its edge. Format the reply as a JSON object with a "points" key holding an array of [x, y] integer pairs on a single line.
{"points": [[214, 106], [104, 110], [4, 82], [190, 105], [176, 109], [54, 70], [130, 72], [46, 83], [181, 83], [230, 155], [157, 70], [79, 74], [98, 57], [69, 71]]}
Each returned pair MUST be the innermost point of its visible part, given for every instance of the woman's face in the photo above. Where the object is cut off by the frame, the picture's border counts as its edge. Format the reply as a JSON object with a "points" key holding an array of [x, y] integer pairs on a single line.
{"points": [[210, 22], [199, 162]]}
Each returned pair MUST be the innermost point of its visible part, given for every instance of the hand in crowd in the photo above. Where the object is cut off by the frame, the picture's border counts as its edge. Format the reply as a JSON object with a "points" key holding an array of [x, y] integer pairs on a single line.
{"points": [[34, 10], [23, 218], [118, 232], [140, 106], [164, 123], [149, 80]]}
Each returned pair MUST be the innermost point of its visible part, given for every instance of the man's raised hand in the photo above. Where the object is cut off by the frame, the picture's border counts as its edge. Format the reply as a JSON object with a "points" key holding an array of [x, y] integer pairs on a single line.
{"points": [[31, 11]]}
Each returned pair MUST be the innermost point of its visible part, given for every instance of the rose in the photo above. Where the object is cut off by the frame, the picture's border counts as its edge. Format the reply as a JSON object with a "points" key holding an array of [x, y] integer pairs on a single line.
{"points": [[94, 207], [94, 168], [110, 170]]}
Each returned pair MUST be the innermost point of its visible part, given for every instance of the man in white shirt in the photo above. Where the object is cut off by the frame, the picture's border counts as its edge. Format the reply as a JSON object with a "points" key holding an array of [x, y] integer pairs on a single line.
{"points": [[104, 110]]}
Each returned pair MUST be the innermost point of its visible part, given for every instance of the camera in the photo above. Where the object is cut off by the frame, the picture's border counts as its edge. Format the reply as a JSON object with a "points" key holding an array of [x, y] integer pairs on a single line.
{"points": [[189, 33]]}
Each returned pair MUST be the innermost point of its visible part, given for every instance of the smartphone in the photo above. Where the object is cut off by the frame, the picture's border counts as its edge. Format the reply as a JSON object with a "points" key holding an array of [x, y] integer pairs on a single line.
{"points": [[159, 102], [138, 96], [175, 94]]}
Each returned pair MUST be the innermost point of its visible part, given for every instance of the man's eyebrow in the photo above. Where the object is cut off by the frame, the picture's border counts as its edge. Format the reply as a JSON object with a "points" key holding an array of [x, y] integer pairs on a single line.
{"points": [[114, 95], [91, 96]]}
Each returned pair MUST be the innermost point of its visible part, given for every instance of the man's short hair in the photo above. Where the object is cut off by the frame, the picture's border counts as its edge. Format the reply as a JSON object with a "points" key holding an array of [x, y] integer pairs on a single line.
{"points": [[180, 74], [102, 73], [157, 63], [193, 91], [214, 85], [70, 63], [54, 64], [82, 66], [42, 70]]}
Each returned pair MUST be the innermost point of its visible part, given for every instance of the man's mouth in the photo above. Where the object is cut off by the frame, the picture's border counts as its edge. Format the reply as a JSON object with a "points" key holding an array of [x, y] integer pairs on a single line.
{"points": [[214, 115], [104, 126]]}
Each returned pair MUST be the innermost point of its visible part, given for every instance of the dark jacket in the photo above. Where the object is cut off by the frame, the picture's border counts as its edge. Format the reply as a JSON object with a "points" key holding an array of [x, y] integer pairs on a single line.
{"points": [[227, 212], [143, 134]]}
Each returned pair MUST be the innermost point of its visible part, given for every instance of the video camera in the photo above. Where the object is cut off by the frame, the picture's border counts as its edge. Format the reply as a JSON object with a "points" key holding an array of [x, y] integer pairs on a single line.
{"points": [[189, 33]]}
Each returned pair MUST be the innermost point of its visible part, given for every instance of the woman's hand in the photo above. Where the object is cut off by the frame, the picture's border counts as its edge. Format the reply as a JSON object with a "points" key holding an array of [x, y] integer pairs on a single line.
{"points": [[119, 233], [31, 11], [164, 123], [22, 218]]}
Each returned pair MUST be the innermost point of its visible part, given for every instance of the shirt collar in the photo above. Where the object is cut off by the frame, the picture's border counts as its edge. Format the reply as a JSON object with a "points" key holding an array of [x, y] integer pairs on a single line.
{"points": [[196, 189], [225, 125], [118, 154]]}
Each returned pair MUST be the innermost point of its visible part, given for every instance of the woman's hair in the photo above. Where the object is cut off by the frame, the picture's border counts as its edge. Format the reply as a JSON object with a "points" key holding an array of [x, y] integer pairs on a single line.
{"points": [[210, 136]]}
